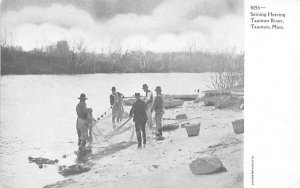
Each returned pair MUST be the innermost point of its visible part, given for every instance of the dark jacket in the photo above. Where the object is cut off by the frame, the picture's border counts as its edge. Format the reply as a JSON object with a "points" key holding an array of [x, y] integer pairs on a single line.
{"points": [[113, 97], [138, 111], [158, 104], [81, 110]]}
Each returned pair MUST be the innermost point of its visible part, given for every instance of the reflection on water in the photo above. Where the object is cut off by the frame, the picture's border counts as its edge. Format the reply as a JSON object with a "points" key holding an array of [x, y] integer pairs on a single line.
{"points": [[38, 116]]}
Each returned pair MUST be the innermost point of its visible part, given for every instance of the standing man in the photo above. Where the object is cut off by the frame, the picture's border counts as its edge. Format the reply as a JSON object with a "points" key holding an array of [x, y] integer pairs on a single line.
{"points": [[138, 111], [120, 108], [149, 101], [158, 107], [81, 124], [113, 102]]}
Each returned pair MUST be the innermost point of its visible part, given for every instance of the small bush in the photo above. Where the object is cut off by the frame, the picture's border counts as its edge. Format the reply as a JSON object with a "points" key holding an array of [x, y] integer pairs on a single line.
{"points": [[209, 103], [222, 100], [228, 102]]}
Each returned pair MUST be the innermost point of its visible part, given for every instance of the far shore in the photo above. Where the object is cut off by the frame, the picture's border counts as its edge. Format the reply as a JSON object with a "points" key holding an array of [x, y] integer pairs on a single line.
{"points": [[61, 59], [75, 74]]}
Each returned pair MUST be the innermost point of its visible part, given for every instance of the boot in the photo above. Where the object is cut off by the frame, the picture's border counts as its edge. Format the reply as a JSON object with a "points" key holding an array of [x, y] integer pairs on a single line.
{"points": [[79, 141], [144, 137], [159, 132], [139, 138]]}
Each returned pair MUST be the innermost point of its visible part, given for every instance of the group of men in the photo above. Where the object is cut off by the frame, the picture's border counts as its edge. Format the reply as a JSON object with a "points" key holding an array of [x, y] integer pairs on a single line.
{"points": [[141, 111]]}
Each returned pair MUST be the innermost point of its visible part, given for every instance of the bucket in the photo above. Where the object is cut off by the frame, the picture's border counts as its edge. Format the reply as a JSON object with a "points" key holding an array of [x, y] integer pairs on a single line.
{"points": [[238, 126], [193, 130]]}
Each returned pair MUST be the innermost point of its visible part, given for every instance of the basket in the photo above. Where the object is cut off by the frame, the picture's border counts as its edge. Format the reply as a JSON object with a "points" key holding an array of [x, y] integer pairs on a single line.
{"points": [[193, 130], [238, 126]]}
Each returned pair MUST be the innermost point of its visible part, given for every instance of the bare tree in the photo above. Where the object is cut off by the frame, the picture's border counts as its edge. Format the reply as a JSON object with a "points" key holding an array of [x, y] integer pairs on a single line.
{"points": [[192, 48], [168, 58], [228, 72], [118, 57], [142, 58]]}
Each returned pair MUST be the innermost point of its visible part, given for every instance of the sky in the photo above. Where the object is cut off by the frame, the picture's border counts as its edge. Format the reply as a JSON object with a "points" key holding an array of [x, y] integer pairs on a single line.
{"points": [[105, 25]]}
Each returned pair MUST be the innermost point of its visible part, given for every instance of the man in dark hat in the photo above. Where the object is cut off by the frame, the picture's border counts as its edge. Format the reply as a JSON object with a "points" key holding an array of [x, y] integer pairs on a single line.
{"points": [[149, 101], [138, 111], [158, 107], [81, 124]]}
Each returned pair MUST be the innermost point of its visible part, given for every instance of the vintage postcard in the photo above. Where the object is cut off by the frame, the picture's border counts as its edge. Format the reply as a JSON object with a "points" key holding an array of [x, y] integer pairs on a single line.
{"points": [[130, 93]]}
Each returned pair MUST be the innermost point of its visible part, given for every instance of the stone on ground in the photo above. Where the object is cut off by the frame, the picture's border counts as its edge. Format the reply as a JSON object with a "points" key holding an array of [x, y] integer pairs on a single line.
{"points": [[206, 165]]}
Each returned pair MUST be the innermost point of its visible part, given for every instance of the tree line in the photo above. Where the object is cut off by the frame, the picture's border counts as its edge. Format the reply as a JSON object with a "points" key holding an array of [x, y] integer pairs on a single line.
{"points": [[75, 59]]}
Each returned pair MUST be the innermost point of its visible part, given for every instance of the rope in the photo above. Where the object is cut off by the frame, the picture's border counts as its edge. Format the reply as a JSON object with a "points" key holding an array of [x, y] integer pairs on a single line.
{"points": [[103, 115], [95, 136], [132, 135], [123, 124], [114, 133], [119, 131], [102, 135]]}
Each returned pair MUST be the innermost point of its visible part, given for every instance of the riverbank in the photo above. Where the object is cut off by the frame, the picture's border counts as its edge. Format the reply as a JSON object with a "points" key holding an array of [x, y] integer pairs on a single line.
{"points": [[166, 163], [62, 60]]}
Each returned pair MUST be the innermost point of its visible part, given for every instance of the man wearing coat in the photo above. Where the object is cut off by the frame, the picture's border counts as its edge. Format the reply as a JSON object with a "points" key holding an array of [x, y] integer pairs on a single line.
{"points": [[81, 123], [139, 114], [158, 107]]}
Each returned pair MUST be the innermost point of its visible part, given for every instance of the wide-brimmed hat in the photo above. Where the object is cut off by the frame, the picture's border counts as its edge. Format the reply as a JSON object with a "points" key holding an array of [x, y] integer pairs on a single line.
{"points": [[145, 86], [82, 97], [137, 94], [158, 88]]}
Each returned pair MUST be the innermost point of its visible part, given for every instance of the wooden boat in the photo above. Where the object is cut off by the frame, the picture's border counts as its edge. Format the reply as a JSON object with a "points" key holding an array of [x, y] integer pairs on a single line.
{"points": [[167, 103], [129, 101], [182, 97], [187, 97], [216, 92], [173, 103]]}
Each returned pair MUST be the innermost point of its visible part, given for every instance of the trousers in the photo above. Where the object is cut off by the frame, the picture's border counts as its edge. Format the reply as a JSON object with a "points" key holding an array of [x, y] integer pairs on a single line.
{"points": [[149, 115], [158, 122], [140, 131], [82, 131]]}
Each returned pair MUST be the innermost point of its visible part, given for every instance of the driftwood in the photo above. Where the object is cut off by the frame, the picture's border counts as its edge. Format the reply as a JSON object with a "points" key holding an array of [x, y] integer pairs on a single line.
{"points": [[41, 161], [73, 169]]}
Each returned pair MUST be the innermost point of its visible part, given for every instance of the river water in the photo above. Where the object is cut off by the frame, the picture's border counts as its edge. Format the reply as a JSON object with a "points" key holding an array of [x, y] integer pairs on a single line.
{"points": [[38, 116]]}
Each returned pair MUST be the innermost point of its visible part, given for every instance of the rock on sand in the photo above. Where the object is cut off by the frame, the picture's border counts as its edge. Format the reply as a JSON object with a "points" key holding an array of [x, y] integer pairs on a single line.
{"points": [[206, 165]]}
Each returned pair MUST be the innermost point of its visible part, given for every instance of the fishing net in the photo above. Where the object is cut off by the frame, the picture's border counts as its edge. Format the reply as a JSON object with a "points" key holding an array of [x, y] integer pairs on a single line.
{"points": [[105, 134]]}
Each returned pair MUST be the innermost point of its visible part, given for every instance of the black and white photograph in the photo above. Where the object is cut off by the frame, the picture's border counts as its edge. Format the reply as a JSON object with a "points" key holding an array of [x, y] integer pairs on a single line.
{"points": [[145, 93]]}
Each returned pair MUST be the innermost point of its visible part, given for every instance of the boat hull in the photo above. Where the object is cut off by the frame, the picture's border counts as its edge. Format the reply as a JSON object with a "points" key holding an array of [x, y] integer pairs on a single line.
{"points": [[167, 104], [182, 97]]}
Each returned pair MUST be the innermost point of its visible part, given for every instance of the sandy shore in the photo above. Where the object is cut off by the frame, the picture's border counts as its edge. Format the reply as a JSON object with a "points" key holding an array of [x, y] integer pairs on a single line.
{"points": [[166, 163]]}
